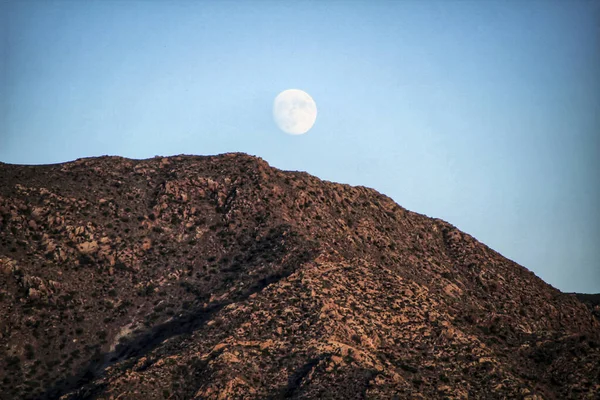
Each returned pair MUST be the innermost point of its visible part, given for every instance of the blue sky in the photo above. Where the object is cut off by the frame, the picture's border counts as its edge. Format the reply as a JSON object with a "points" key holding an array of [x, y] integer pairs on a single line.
{"points": [[485, 114]]}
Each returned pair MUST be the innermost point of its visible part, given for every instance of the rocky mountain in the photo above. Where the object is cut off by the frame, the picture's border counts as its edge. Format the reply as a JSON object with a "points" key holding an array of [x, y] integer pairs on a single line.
{"points": [[224, 278]]}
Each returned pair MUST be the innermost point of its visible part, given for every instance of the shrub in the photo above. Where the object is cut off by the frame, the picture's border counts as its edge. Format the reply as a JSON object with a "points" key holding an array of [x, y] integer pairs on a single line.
{"points": [[29, 352], [13, 361]]}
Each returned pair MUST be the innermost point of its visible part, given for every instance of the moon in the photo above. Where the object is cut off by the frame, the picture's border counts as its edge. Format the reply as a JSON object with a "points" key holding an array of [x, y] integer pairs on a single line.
{"points": [[294, 111]]}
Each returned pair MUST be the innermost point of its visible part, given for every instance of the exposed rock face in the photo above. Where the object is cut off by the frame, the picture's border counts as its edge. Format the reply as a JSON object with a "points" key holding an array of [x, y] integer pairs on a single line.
{"points": [[222, 278]]}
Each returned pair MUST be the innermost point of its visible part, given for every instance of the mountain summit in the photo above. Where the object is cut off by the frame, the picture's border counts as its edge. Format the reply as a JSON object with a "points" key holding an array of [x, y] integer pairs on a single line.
{"points": [[223, 278]]}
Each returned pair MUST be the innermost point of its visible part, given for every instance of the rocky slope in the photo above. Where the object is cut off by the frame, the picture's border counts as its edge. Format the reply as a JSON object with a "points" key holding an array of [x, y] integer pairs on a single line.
{"points": [[592, 301], [222, 278]]}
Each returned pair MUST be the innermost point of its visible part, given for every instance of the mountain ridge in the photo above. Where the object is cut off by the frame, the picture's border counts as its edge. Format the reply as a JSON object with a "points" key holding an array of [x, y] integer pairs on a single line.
{"points": [[152, 268]]}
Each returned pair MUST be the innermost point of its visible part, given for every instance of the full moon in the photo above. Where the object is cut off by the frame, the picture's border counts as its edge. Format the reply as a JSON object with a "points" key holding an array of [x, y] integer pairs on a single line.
{"points": [[294, 111]]}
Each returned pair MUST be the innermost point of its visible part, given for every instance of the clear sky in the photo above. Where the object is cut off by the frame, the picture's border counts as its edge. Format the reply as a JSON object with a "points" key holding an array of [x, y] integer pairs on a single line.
{"points": [[485, 114]]}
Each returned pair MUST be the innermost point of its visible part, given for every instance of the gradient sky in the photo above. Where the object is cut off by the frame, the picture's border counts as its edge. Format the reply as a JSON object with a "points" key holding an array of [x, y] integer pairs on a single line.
{"points": [[485, 114]]}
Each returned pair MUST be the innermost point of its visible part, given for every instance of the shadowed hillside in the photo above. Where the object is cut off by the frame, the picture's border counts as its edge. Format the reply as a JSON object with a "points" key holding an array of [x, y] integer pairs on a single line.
{"points": [[592, 301], [221, 277]]}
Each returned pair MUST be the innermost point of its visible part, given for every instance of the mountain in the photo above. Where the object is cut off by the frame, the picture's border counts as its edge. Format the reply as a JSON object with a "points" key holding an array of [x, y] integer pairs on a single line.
{"points": [[222, 278]]}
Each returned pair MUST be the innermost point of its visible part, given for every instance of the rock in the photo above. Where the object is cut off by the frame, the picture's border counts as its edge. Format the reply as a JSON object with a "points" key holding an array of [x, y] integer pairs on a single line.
{"points": [[219, 347], [444, 389], [88, 247], [34, 294], [146, 243], [37, 213]]}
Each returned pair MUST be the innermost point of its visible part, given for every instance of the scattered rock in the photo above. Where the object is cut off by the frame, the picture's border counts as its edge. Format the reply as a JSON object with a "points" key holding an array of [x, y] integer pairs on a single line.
{"points": [[88, 247]]}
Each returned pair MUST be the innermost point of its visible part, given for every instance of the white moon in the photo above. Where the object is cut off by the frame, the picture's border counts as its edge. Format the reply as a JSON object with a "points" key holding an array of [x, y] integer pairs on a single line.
{"points": [[294, 111]]}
